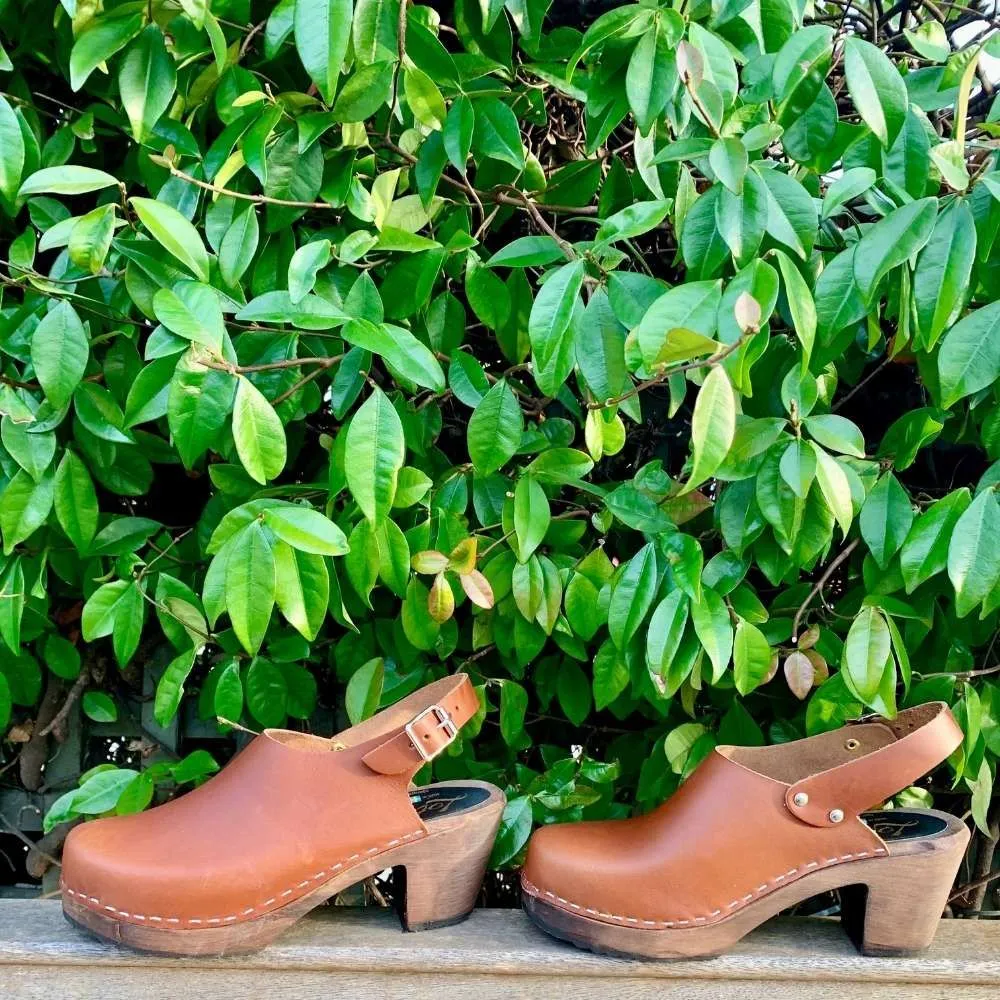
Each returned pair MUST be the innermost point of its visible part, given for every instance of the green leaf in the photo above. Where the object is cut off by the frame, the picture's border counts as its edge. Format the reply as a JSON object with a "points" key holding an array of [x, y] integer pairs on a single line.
{"points": [[424, 98], [12, 601], [170, 687], [306, 263], [227, 702], [885, 519], [198, 403], [59, 353], [306, 529], [515, 829], [632, 221], [714, 629], [531, 516], [850, 185], [250, 586], [800, 304], [925, 551], [943, 272], [496, 133], [713, 427], [651, 77], [835, 487], [892, 241], [193, 311], [100, 39], [552, 311], [866, 650], [876, 87], [302, 588], [24, 507], [691, 308], [267, 693], [70, 179], [611, 675], [729, 160], [146, 82], [175, 234], [495, 429], [527, 251], [75, 501], [632, 596], [322, 32], [98, 707], [12, 144], [751, 657], [364, 690], [836, 433], [258, 433], [375, 452], [458, 129], [666, 630], [311, 313], [364, 93], [236, 252], [969, 359], [974, 552]]}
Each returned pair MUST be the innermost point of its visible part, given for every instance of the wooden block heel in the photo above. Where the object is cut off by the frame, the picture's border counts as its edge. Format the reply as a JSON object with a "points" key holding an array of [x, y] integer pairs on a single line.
{"points": [[757, 830], [441, 877], [895, 907]]}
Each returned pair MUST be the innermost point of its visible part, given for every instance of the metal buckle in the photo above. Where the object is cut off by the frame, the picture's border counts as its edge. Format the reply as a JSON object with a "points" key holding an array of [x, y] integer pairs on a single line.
{"points": [[444, 721]]}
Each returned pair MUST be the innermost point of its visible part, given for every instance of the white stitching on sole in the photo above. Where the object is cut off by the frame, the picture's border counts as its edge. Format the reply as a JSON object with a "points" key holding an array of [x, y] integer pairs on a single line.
{"points": [[712, 917], [319, 876]]}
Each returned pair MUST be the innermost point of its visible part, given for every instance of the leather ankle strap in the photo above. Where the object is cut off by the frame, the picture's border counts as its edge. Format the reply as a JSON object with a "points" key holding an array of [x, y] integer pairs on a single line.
{"points": [[918, 740], [423, 725]]}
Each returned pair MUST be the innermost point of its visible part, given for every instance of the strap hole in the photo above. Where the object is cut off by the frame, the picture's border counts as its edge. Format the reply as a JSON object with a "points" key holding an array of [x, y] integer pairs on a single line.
{"points": [[851, 744]]}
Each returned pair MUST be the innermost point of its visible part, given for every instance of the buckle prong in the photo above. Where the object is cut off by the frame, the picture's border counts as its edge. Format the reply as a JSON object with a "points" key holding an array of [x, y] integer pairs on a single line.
{"points": [[444, 721]]}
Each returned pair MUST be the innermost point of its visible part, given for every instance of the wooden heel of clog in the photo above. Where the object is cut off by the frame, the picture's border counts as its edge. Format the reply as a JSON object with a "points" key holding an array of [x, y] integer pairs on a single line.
{"points": [[895, 907], [438, 881]]}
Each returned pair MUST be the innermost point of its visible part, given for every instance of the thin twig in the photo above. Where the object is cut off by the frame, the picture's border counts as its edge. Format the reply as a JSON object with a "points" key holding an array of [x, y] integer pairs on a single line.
{"points": [[74, 692], [820, 584]]}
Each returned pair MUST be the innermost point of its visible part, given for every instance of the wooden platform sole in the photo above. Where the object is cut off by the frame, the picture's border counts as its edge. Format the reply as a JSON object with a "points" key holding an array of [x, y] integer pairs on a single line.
{"points": [[891, 904], [439, 876]]}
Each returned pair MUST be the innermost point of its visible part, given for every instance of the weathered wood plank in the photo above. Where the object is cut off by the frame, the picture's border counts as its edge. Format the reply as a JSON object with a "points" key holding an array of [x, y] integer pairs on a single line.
{"points": [[345, 954]]}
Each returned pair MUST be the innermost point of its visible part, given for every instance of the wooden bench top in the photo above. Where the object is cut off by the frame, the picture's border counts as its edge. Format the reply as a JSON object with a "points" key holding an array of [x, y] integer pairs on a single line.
{"points": [[340, 953]]}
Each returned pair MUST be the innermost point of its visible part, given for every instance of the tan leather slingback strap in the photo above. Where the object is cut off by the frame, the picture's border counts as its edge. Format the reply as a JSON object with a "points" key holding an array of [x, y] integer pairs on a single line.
{"points": [[420, 726], [921, 738]]}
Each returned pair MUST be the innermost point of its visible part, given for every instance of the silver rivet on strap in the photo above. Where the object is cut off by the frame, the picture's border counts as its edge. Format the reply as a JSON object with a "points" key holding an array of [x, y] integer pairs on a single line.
{"points": [[836, 815], [800, 799]]}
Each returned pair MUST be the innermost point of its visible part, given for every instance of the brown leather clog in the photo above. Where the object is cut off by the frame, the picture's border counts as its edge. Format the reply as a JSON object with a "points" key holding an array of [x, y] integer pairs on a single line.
{"points": [[291, 821], [753, 831]]}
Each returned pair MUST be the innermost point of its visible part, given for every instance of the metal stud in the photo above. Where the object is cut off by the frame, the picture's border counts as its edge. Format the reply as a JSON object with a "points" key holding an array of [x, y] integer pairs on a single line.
{"points": [[800, 799], [836, 815]]}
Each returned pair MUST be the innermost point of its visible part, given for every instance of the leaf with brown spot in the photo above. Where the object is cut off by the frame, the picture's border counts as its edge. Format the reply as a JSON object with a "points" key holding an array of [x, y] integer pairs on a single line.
{"points": [[477, 588], [821, 670], [799, 672]]}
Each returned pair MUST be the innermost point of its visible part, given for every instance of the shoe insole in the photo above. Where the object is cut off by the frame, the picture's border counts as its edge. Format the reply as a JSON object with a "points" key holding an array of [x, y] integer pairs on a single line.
{"points": [[902, 824], [432, 801]]}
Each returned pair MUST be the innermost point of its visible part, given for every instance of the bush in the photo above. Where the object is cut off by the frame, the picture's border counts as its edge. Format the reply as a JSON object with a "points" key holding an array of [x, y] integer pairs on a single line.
{"points": [[648, 372]]}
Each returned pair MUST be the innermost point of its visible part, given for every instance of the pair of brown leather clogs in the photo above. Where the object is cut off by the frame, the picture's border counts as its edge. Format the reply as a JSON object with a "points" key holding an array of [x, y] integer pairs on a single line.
{"points": [[295, 819]]}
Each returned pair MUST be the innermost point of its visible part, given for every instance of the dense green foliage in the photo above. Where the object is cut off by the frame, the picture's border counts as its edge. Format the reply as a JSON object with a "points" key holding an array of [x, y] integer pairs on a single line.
{"points": [[352, 343]]}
